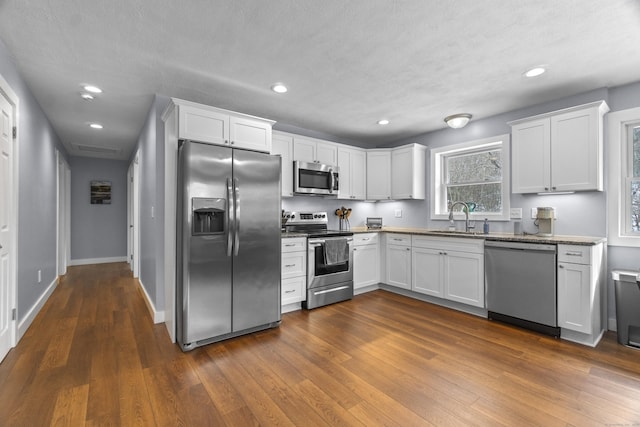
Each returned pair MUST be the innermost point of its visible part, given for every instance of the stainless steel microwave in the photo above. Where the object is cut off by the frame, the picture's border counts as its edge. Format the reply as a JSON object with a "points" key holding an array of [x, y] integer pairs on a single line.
{"points": [[315, 178]]}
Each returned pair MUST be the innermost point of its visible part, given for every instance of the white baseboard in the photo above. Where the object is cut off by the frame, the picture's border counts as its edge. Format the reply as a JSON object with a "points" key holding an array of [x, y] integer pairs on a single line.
{"points": [[157, 316], [35, 309], [87, 261]]}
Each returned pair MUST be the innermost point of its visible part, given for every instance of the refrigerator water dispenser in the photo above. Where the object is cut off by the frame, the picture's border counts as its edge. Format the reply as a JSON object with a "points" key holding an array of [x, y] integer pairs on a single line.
{"points": [[208, 216]]}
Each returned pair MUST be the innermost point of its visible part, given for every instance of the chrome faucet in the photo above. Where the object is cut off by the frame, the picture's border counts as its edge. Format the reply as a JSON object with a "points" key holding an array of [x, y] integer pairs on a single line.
{"points": [[467, 226]]}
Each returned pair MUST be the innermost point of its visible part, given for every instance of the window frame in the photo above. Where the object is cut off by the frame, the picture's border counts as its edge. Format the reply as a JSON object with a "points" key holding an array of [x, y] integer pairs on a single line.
{"points": [[620, 166], [438, 178]]}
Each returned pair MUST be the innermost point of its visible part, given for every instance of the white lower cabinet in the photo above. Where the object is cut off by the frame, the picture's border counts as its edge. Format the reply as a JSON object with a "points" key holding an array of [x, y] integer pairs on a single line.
{"points": [[581, 296], [294, 272], [398, 255], [449, 268], [366, 260]]}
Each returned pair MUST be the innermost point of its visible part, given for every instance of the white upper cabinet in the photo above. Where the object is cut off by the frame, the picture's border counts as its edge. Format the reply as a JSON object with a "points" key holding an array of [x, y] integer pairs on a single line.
{"points": [[353, 173], [559, 151], [282, 145], [378, 174], [408, 172], [313, 150], [197, 122]]}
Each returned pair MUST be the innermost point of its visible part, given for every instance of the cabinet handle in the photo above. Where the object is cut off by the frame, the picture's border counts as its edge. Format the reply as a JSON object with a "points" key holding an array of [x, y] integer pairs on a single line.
{"points": [[408, 249], [570, 253], [397, 240], [560, 266], [289, 244], [366, 238], [290, 265], [289, 291], [546, 188]]}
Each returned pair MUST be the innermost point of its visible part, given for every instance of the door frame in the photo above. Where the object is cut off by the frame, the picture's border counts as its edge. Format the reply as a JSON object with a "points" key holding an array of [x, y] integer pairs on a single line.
{"points": [[7, 91], [63, 232], [133, 214]]}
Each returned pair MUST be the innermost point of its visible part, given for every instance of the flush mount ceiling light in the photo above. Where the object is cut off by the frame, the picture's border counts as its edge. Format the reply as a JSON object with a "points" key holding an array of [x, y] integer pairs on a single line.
{"points": [[92, 89], [279, 88], [383, 122], [96, 126], [86, 96], [457, 121], [534, 72]]}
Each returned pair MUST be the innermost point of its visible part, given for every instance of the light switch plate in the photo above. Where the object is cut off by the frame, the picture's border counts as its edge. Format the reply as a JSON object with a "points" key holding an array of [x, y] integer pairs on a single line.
{"points": [[398, 213], [515, 213]]}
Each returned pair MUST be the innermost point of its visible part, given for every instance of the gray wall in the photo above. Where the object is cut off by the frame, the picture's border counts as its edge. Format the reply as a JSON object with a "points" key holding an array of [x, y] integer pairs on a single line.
{"points": [[98, 231], [37, 144]]}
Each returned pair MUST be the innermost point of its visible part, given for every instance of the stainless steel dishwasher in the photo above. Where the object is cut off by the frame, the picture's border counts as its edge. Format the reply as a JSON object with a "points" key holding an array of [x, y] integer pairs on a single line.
{"points": [[520, 281]]}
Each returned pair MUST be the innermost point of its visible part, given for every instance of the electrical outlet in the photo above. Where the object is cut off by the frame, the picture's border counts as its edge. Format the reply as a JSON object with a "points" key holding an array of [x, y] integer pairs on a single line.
{"points": [[39, 276], [398, 213], [515, 213]]}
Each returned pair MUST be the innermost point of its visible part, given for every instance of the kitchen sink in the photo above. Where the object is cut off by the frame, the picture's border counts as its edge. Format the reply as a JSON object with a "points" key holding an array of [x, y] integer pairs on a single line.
{"points": [[467, 233]]}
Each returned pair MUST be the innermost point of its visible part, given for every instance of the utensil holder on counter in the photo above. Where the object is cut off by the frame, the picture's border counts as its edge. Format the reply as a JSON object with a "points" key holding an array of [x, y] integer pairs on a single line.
{"points": [[344, 224]]}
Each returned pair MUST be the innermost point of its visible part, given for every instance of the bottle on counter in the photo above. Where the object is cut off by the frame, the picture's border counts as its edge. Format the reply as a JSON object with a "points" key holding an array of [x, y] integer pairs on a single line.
{"points": [[485, 226]]}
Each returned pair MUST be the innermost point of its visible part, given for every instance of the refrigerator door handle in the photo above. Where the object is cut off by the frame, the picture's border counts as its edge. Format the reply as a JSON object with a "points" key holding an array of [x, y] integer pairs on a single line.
{"points": [[230, 212], [236, 203]]}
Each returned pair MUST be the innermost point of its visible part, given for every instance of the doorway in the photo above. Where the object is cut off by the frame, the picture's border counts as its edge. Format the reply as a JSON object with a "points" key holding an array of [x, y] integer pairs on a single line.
{"points": [[133, 209], [8, 216], [63, 235]]}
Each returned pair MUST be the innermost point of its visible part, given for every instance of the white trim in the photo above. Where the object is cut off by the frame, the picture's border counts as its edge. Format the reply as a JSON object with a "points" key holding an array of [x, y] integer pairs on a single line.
{"points": [[617, 122], [436, 178], [157, 316], [29, 317], [14, 217], [87, 261]]}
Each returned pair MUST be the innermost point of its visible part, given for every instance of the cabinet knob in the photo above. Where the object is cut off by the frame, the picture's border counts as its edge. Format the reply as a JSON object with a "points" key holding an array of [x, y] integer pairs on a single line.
{"points": [[355, 249], [553, 188], [226, 141], [408, 249], [560, 266]]}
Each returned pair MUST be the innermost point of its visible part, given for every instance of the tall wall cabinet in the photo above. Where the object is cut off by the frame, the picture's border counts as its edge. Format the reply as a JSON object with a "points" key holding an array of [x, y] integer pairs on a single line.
{"points": [[559, 151]]}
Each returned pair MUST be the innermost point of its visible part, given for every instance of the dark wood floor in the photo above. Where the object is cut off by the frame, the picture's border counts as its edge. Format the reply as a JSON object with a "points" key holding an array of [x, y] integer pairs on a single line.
{"points": [[93, 357]]}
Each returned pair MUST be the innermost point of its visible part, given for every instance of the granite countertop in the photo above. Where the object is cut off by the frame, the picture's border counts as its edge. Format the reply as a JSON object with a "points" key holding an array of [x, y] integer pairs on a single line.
{"points": [[288, 234], [504, 237]]}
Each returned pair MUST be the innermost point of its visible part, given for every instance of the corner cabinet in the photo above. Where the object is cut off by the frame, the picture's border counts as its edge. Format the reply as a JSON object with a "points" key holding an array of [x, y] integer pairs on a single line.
{"points": [[559, 151], [581, 293], [408, 172], [378, 174], [203, 123]]}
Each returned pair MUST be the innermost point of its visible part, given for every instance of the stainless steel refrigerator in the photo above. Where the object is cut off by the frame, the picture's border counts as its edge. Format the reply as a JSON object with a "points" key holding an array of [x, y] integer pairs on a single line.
{"points": [[228, 253]]}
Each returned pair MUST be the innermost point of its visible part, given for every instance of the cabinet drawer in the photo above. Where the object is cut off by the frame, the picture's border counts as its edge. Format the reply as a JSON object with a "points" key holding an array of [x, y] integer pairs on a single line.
{"points": [[293, 290], [294, 244], [576, 254], [365, 239], [399, 239], [469, 245], [294, 264]]}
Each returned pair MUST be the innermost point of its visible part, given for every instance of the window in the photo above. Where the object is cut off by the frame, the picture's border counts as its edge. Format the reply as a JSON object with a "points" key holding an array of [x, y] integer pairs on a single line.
{"points": [[623, 192], [477, 173]]}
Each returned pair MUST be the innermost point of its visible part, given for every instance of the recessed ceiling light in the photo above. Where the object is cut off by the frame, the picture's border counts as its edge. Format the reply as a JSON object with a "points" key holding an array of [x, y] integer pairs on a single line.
{"points": [[383, 122], [96, 125], [86, 96], [279, 88], [92, 89], [535, 72]]}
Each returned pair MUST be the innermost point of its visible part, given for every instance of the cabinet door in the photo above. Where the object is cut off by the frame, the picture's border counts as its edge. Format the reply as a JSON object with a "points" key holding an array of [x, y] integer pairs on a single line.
{"points": [[293, 290], [574, 297], [464, 278], [282, 145], [575, 151], [345, 157], [402, 173], [359, 174], [365, 266], [304, 150], [203, 125], [530, 157], [399, 266], [250, 134], [379, 175], [427, 271], [326, 153]]}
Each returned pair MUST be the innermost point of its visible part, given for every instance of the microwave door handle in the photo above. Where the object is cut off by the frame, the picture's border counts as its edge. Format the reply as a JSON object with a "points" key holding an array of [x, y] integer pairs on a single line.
{"points": [[332, 182], [230, 212], [236, 200]]}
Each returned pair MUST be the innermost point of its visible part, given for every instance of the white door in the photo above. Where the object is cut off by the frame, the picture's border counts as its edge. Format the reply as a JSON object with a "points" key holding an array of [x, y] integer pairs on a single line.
{"points": [[63, 213], [7, 324], [135, 229]]}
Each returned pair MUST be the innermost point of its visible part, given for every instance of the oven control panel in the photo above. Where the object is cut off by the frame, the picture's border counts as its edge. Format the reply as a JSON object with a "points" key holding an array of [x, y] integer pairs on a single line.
{"points": [[306, 217]]}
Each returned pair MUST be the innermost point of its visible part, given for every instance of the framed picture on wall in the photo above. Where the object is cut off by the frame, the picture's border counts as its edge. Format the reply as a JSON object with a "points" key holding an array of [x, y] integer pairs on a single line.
{"points": [[100, 192]]}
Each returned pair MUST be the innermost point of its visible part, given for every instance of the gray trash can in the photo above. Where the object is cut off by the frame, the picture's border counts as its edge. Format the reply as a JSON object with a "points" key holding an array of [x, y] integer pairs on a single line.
{"points": [[627, 289]]}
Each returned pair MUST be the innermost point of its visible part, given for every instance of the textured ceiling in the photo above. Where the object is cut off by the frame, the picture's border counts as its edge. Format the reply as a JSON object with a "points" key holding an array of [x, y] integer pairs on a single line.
{"points": [[347, 63]]}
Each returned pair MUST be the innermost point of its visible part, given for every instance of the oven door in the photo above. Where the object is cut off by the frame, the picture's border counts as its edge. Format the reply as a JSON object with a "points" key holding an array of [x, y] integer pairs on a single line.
{"points": [[315, 178], [321, 273]]}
